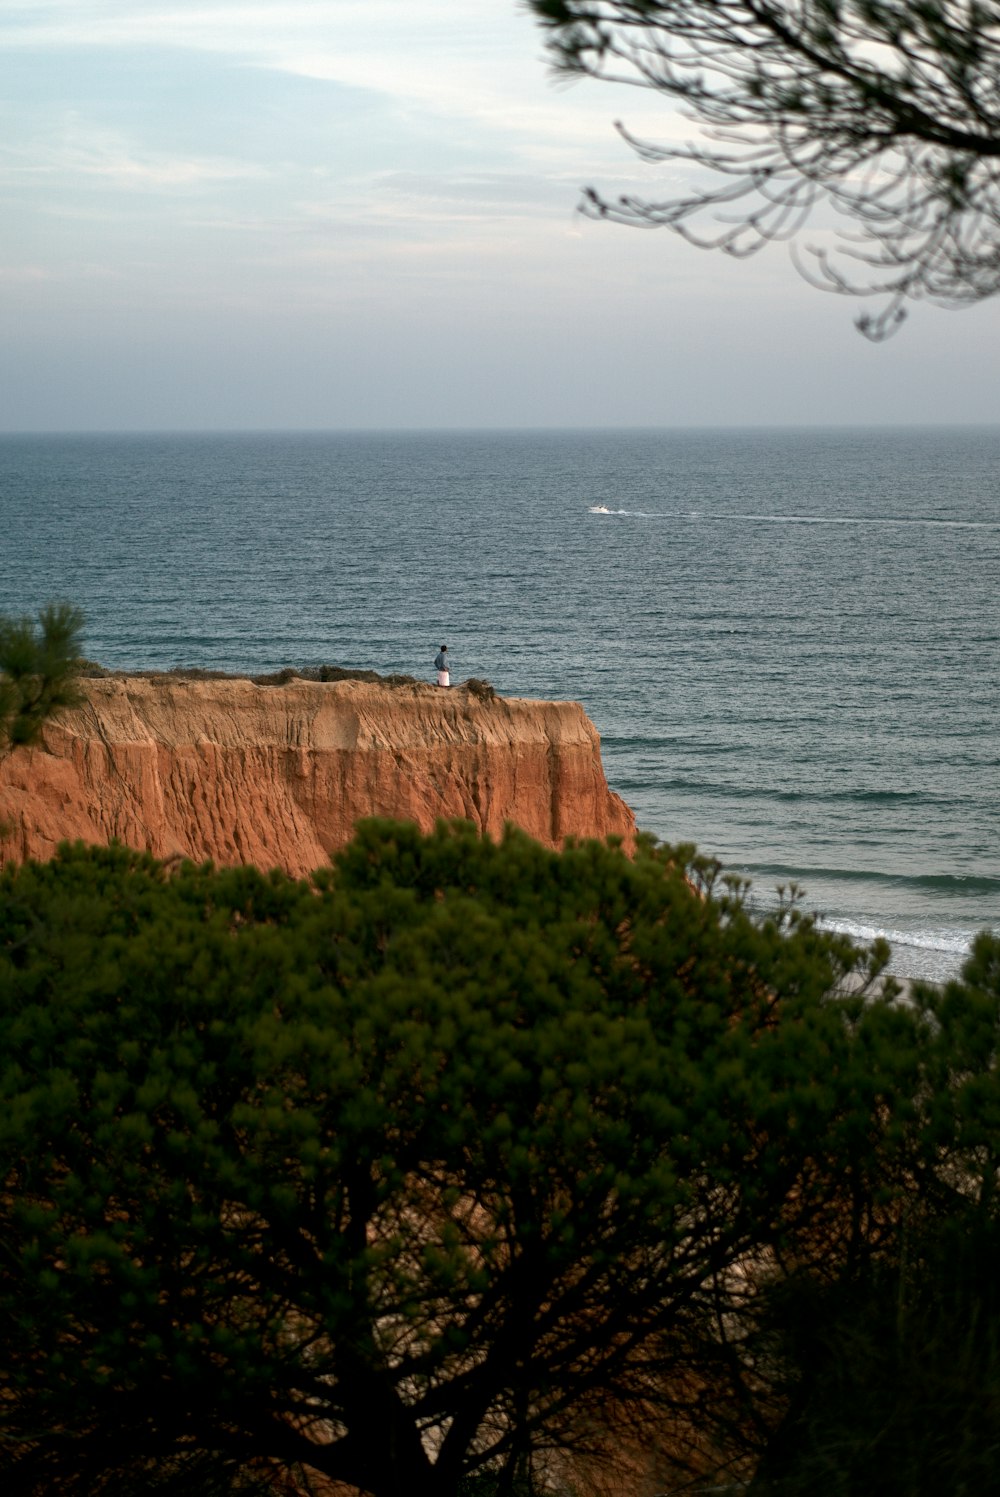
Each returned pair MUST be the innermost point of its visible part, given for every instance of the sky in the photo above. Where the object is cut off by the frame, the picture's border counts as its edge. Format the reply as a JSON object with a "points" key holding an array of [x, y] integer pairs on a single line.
{"points": [[363, 214]]}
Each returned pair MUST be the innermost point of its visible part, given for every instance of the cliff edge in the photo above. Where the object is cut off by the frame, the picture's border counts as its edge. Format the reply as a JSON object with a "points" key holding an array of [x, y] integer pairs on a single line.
{"points": [[277, 776]]}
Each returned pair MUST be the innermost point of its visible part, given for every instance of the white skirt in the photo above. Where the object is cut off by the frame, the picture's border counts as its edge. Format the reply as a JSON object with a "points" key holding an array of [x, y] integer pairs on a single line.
{"points": [[443, 678]]}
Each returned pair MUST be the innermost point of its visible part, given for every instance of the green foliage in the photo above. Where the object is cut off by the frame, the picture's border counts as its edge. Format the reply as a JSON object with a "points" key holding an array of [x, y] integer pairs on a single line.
{"points": [[38, 668], [895, 1375], [889, 1375], [459, 1157]]}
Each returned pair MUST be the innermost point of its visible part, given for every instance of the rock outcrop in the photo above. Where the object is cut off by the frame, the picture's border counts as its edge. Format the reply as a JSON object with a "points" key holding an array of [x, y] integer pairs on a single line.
{"points": [[277, 776]]}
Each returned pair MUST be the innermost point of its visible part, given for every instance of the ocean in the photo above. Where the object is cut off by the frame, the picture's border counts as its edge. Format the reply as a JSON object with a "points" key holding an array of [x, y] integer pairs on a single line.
{"points": [[788, 639]]}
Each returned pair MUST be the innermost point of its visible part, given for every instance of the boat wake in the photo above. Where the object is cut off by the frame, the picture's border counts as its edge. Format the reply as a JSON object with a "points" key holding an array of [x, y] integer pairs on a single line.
{"points": [[720, 517]]}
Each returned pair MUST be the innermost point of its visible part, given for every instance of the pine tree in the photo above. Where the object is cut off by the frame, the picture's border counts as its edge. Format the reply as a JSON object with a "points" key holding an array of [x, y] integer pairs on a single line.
{"points": [[38, 669]]}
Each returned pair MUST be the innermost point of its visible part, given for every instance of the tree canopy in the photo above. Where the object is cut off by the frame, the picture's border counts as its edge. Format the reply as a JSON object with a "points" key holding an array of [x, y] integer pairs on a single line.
{"points": [[888, 111], [462, 1166], [38, 667]]}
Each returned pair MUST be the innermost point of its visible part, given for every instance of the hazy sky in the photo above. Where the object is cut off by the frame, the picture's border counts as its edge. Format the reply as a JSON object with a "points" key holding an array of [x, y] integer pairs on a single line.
{"points": [[361, 213]]}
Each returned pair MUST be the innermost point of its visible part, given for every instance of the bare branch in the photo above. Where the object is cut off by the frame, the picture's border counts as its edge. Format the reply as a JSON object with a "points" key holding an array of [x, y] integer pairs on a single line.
{"points": [[885, 112]]}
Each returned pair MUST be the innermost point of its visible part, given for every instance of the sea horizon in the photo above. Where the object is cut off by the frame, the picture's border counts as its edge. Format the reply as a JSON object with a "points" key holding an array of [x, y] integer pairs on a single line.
{"points": [[500, 429]]}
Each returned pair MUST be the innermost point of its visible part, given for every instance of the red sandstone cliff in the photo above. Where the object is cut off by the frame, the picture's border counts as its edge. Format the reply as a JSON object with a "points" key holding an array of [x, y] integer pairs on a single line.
{"points": [[278, 775]]}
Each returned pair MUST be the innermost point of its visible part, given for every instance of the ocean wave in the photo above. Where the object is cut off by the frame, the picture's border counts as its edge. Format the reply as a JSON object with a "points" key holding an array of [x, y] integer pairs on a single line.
{"points": [[953, 943], [685, 785], [938, 883], [926, 950]]}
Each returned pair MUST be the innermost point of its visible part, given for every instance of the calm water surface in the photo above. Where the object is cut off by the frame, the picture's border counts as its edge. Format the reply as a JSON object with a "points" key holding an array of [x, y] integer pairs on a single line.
{"points": [[788, 640]]}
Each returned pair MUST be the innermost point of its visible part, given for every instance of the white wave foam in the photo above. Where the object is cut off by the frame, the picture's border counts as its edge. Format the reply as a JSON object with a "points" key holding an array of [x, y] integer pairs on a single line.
{"points": [[955, 943], [927, 954], [634, 514]]}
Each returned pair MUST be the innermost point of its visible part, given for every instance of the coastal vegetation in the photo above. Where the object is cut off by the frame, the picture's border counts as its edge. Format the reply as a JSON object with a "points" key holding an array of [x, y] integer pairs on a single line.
{"points": [[469, 1168], [39, 663], [474, 685]]}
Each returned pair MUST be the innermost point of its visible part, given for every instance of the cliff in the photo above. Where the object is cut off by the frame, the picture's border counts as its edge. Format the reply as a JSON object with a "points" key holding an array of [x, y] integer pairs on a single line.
{"points": [[278, 775]]}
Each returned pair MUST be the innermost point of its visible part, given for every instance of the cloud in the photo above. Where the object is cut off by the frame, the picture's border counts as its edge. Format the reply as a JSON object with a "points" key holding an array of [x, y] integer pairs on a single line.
{"points": [[356, 172], [22, 275], [80, 153], [424, 55], [223, 26]]}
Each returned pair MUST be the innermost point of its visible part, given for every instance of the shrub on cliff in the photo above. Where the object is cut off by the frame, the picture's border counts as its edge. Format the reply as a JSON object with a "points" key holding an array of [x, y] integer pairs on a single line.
{"points": [[464, 1166], [38, 668]]}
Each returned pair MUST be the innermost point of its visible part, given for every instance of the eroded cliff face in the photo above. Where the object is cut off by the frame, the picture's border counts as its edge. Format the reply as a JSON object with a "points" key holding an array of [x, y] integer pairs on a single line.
{"points": [[278, 776]]}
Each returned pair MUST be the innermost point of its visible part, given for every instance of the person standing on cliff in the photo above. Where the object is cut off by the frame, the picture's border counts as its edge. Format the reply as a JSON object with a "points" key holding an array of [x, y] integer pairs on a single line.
{"points": [[441, 666]]}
